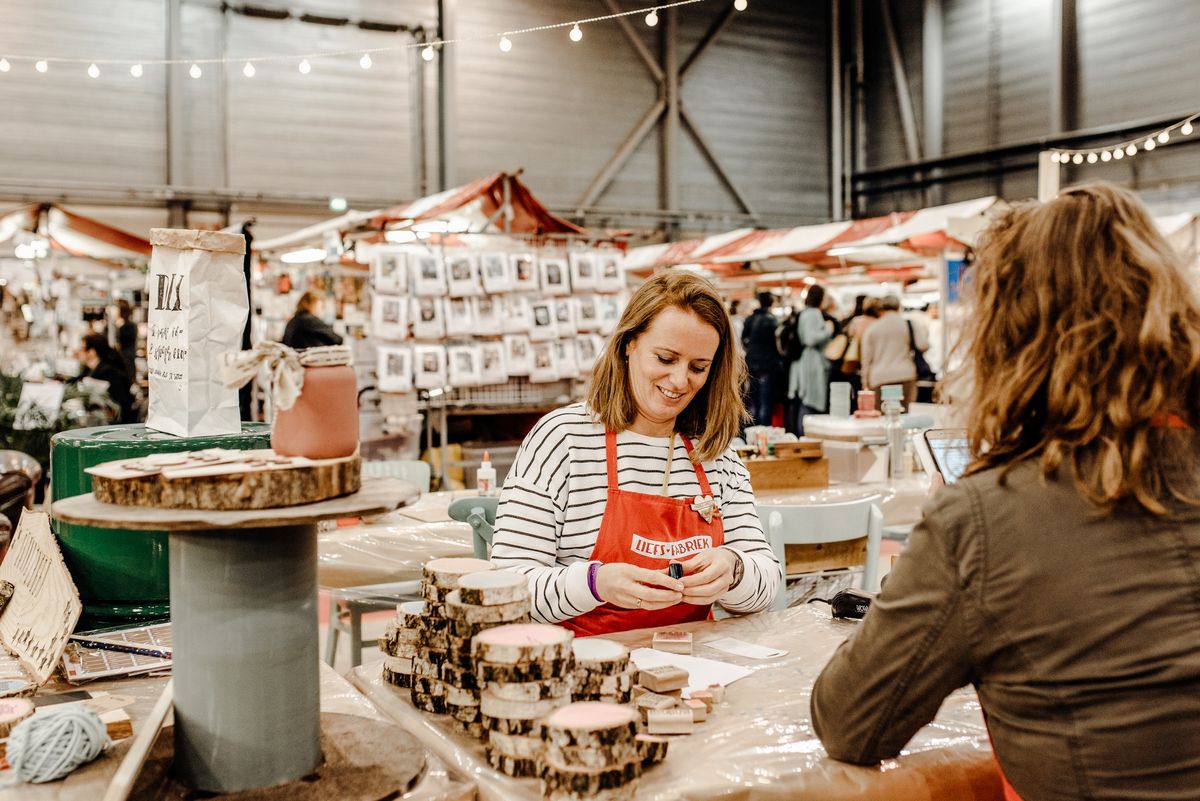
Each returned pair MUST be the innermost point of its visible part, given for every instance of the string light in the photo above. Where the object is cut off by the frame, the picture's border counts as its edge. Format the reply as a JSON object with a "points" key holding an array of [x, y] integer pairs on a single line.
{"points": [[136, 70], [1150, 145], [365, 61], [1092, 158], [576, 33], [1130, 148], [195, 71], [427, 53], [304, 67], [1118, 154], [4, 65], [1186, 130], [505, 44], [740, 5], [1077, 158], [248, 70], [41, 66], [93, 71], [652, 18], [1106, 156], [1164, 137]]}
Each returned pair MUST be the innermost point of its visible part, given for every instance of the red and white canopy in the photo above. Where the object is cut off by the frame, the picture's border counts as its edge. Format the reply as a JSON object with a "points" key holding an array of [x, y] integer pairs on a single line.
{"points": [[73, 234]]}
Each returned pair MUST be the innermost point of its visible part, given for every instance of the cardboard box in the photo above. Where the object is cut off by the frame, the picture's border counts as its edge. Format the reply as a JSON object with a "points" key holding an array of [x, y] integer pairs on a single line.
{"points": [[775, 473]]}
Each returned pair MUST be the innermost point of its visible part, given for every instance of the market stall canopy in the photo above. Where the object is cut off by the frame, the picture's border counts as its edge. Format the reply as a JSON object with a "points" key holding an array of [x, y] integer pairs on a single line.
{"points": [[891, 239], [73, 234]]}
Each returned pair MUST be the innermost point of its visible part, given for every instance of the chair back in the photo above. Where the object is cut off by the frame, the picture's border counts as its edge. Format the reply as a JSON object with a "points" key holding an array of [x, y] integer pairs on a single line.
{"points": [[816, 524], [412, 470], [480, 514]]}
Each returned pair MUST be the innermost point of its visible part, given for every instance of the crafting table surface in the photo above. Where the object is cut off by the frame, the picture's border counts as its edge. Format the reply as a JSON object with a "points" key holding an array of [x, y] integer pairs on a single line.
{"points": [[89, 782], [758, 744], [377, 495]]}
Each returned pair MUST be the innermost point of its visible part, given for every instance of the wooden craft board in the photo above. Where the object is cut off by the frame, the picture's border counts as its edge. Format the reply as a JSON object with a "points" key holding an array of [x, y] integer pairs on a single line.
{"points": [[773, 473], [825, 556]]}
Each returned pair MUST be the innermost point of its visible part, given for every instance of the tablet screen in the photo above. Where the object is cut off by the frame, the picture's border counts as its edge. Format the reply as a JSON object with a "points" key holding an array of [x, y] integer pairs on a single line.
{"points": [[951, 454]]}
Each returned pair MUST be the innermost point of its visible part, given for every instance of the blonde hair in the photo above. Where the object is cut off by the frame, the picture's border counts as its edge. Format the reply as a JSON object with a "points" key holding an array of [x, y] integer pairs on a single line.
{"points": [[308, 301], [1086, 328], [715, 415]]}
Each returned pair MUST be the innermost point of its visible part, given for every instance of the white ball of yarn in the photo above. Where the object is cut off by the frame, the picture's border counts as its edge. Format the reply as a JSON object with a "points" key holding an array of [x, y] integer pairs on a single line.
{"points": [[50, 745]]}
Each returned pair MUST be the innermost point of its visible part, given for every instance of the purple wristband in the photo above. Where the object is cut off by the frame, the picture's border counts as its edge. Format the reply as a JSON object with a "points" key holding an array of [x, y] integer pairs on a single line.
{"points": [[593, 569]]}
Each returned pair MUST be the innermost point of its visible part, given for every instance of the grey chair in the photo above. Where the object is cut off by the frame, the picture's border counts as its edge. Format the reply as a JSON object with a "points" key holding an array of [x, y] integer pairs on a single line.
{"points": [[480, 514]]}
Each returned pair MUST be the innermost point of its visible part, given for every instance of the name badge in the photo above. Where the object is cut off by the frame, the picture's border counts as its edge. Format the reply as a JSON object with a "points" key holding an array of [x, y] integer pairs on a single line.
{"points": [[678, 549]]}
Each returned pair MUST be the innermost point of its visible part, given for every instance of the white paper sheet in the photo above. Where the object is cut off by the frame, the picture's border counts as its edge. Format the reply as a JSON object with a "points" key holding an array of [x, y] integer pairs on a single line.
{"points": [[742, 648], [702, 673]]}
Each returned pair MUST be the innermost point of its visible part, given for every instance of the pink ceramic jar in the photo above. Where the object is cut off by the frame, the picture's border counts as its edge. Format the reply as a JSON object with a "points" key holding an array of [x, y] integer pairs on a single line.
{"points": [[323, 423]]}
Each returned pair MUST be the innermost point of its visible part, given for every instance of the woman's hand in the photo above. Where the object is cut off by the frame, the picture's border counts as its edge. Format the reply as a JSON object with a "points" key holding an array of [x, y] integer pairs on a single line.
{"points": [[708, 575], [632, 587]]}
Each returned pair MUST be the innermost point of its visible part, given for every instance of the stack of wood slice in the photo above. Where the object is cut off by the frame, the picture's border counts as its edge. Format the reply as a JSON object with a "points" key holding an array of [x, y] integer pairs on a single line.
{"points": [[524, 671], [400, 643], [441, 578], [483, 601], [592, 750], [603, 671]]}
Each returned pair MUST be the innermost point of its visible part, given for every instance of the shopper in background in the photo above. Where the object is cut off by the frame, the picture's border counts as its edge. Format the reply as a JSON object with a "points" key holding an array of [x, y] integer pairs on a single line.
{"points": [[762, 359], [306, 329], [887, 350], [102, 363], [127, 337], [1059, 576], [808, 379], [736, 321]]}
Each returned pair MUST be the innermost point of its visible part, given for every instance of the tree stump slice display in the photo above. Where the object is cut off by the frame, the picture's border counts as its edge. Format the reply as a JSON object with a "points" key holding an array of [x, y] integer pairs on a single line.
{"points": [[238, 489]]}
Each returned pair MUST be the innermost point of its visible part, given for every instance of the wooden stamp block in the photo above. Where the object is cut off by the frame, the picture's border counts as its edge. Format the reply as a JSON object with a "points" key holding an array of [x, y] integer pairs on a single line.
{"points": [[705, 696], [663, 678], [678, 720], [674, 642], [698, 708], [718, 693]]}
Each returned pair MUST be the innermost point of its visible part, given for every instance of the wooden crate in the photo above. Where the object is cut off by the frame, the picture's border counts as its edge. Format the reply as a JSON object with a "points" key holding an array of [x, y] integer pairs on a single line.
{"points": [[805, 448], [825, 556], [774, 473]]}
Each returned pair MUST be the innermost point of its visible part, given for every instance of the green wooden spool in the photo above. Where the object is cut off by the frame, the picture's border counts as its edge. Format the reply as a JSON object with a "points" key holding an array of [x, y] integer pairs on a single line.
{"points": [[122, 575]]}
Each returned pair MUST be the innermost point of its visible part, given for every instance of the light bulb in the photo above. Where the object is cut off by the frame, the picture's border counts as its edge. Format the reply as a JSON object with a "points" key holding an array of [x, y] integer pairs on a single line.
{"points": [[1186, 130], [427, 53], [1054, 157], [248, 70], [1092, 158], [576, 33], [1118, 154], [93, 71], [41, 66], [1078, 158], [652, 18], [505, 44], [365, 61], [1164, 137], [4, 65], [1106, 156], [740, 5], [1150, 145], [304, 67], [1131, 150], [195, 71], [136, 70]]}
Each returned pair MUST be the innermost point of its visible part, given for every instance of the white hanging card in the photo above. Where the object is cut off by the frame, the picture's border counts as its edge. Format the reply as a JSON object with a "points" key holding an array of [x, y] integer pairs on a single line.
{"points": [[492, 370], [518, 319], [462, 273], [588, 313], [610, 271], [518, 360], [394, 369], [583, 269], [564, 358], [428, 321], [610, 313], [429, 366], [565, 317], [545, 367], [555, 274], [587, 350], [524, 271], [466, 369], [389, 271], [428, 274], [544, 326], [488, 317], [460, 317], [494, 273], [389, 317]]}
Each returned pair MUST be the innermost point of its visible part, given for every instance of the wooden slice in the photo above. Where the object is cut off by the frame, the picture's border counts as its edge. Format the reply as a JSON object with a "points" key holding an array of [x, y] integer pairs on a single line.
{"points": [[510, 725], [455, 676], [596, 758], [473, 729], [435, 704], [510, 766], [239, 489], [429, 685], [604, 698], [445, 573], [652, 748], [586, 781], [663, 678], [493, 588], [409, 614], [434, 594], [518, 746], [487, 672], [466, 631], [523, 642], [605, 685], [531, 690], [498, 614], [456, 696], [495, 707], [678, 720], [463, 714], [398, 679], [590, 725], [434, 640], [398, 664], [12, 712], [600, 656], [626, 792]]}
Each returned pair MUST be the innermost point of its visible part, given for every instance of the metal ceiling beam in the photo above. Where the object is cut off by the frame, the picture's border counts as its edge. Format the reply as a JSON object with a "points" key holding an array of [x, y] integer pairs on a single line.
{"points": [[623, 152], [669, 163], [707, 39], [908, 117], [635, 40], [933, 87], [707, 151], [447, 94], [837, 168], [1064, 66]]}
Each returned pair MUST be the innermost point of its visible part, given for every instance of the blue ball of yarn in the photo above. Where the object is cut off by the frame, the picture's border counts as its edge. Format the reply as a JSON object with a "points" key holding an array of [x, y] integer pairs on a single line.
{"points": [[50, 745]]}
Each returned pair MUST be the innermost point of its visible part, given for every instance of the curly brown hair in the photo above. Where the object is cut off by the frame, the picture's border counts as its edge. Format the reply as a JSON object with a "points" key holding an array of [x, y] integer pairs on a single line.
{"points": [[715, 415], [1085, 334]]}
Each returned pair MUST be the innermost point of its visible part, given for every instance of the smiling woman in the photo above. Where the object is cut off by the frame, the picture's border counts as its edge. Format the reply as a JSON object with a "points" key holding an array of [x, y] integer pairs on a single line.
{"points": [[604, 495]]}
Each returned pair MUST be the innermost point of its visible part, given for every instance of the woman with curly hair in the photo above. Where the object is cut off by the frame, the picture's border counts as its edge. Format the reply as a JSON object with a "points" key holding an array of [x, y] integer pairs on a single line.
{"points": [[1061, 575]]}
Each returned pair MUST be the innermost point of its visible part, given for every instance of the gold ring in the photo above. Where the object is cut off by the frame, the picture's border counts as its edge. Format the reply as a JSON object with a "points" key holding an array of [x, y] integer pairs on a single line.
{"points": [[639, 603]]}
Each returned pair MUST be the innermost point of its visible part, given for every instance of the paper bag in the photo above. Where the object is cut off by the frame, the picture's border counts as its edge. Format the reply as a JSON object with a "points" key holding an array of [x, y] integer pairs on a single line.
{"points": [[197, 311]]}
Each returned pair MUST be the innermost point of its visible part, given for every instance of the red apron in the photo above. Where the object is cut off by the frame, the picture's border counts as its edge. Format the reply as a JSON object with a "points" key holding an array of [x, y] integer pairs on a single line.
{"points": [[649, 531]]}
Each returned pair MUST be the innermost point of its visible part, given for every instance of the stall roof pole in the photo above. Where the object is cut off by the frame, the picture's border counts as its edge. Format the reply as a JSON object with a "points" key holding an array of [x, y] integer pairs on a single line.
{"points": [[933, 91], [836, 168]]}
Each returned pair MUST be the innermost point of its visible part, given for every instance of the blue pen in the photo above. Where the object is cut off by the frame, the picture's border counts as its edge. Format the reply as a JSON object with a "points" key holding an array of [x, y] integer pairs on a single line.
{"points": [[122, 648]]}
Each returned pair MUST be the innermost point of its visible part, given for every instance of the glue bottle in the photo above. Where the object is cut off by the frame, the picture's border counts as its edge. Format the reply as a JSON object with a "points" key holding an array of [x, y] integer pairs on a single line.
{"points": [[485, 476]]}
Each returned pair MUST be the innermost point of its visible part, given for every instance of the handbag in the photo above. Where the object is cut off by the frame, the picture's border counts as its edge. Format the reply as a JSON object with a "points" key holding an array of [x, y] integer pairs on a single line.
{"points": [[852, 359], [835, 348], [924, 372]]}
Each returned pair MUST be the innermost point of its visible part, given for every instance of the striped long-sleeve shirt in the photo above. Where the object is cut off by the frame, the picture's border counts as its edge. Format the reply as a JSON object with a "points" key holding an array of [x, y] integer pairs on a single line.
{"points": [[554, 496]]}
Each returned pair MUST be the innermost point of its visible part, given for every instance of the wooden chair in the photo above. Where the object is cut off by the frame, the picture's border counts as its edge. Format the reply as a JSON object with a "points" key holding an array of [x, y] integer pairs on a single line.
{"points": [[480, 514], [826, 524]]}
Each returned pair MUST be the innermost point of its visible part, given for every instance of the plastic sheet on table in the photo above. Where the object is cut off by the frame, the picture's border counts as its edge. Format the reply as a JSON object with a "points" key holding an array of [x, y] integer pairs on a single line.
{"points": [[759, 744], [901, 500], [392, 549]]}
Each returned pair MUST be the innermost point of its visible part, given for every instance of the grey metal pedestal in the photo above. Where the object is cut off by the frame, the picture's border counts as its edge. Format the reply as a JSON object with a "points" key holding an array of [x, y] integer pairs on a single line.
{"points": [[244, 627]]}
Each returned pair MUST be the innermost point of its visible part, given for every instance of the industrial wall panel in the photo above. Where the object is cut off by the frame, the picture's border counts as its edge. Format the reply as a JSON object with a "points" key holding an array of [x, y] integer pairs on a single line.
{"points": [[65, 126], [202, 109], [884, 130]]}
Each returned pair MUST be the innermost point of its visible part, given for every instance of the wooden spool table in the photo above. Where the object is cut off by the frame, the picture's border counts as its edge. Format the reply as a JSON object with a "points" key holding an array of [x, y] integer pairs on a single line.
{"points": [[244, 626]]}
